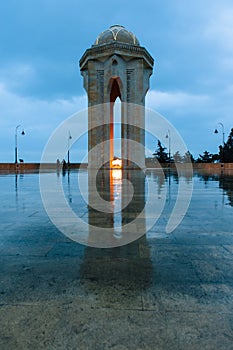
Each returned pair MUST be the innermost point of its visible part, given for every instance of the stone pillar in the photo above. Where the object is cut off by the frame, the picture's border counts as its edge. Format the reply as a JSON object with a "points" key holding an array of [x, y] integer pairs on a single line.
{"points": [[116, 66]]}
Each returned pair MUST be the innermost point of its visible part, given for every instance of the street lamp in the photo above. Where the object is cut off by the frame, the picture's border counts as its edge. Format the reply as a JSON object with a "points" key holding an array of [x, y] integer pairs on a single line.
{"points": [[223, 138], [16, 142], [223, 133], [168, 136], [69, 138]]}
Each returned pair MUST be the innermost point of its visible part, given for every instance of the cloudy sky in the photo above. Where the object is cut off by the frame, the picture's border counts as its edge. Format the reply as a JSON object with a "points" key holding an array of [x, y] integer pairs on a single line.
{"points": [[43, 40]]}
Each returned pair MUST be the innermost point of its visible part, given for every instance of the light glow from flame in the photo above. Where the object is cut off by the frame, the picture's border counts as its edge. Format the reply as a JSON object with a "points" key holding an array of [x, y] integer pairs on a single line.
{"points": [[116, 163], [116, 174]]}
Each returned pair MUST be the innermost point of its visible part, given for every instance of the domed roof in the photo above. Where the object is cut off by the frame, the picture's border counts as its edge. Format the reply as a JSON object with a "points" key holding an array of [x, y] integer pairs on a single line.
{"points": [[116, 33]]}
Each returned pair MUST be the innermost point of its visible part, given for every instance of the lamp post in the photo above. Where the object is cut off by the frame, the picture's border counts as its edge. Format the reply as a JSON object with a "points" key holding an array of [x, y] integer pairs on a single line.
{"points": [[223, 133], [223, 138], [16, 142], [68, 154], [168, 136]]}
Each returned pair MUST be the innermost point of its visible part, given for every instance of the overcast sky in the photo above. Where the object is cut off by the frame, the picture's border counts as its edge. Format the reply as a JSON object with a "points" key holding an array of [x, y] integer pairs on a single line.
{"points": [[43, 40]]}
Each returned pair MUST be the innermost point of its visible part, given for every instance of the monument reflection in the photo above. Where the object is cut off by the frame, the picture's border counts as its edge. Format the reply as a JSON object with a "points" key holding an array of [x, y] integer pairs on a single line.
{"points": [[115, 198], [124, 191]]}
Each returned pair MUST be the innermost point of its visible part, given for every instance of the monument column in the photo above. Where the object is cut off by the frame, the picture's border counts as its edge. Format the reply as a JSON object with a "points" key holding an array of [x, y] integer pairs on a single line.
{"points": [[116, 66]]}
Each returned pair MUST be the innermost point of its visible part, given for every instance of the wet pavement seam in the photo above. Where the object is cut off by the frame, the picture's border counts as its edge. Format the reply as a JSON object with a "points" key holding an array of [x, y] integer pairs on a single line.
{"points": [[33, 214], [224, 247]]}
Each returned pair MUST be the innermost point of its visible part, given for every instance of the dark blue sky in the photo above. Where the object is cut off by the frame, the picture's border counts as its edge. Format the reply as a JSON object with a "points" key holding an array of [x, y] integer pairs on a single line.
{"points": [[43, 40]]}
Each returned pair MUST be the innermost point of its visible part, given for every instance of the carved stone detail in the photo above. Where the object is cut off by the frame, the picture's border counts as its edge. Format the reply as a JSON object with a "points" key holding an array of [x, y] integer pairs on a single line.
{"points": [[100, 85], [129, 73]]}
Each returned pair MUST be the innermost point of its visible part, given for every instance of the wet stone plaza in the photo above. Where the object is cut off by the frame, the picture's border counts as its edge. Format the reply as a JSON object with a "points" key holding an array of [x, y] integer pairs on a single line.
{"points": [[161, 291]]}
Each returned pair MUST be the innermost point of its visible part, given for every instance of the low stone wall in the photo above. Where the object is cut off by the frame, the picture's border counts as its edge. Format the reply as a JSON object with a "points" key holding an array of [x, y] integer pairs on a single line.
{"points": [[35, 167], [213, 166], [196, 166]]}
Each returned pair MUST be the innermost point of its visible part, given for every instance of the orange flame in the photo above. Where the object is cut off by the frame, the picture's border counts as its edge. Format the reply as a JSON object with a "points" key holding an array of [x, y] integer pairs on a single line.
{"points": [[116, 163]]}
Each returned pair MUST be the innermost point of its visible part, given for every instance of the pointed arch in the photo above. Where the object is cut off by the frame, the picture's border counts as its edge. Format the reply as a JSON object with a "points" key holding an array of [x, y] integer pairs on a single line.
{"points": [[115, 89]]}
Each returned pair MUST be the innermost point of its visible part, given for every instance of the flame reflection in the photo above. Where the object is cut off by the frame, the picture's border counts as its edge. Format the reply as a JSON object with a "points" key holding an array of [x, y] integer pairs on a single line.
{"points": [[116, 174]]}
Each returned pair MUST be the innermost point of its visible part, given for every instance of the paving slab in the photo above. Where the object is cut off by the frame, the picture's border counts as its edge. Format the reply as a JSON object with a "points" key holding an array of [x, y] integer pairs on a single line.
{"points": [[163, 291]]}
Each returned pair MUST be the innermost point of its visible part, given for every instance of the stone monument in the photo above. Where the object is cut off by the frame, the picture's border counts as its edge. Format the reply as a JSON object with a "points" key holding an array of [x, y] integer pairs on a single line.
{"points": [[116, 66]]}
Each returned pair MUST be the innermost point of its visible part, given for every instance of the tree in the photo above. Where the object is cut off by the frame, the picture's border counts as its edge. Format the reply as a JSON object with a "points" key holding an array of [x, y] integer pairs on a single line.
{"points": [[188, 157], [177, 157], [221, 154], [207, 157], [226, 152], [160, 153], [215, 157]]}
